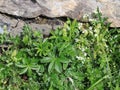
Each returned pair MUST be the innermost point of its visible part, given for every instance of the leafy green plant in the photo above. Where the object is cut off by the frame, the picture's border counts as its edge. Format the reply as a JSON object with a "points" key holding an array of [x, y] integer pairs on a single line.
{"points": [[78, 56]]}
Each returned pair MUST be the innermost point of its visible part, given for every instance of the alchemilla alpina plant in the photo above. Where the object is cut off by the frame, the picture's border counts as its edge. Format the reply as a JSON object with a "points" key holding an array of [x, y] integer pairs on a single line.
{"points": [[78, 56]]}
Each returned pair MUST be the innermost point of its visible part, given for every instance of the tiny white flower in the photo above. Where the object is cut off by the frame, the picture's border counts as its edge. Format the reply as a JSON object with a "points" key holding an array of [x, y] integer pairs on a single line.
{"points": [[85, 54], [116, 36], [83, 61], [79, 58], [84, 31], [85, 16], [80, 25], [90, 28], [96, 35], [92, 20], [110, 50], [83, 49], [95, 30], [77, 40], [95, 11]]}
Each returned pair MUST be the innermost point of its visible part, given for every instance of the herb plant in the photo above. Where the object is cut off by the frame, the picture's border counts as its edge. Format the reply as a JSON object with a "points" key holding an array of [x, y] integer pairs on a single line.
{"points": [[78, 56]]}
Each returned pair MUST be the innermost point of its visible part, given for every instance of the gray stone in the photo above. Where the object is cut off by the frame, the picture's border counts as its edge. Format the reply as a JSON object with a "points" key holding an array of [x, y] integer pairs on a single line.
{"points": [[57, 8], [14, 26], [43, 28]]}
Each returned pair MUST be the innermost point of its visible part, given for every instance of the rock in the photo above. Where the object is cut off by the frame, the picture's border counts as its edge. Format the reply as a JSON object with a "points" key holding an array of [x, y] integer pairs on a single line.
{"points": [[43, 28], [1, 30], [22, 8], [15, 25], [75, 9]]}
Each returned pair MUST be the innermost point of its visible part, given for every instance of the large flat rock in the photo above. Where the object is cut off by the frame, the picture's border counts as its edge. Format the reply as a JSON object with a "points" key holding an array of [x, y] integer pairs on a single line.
{"points": [[58, 8]]}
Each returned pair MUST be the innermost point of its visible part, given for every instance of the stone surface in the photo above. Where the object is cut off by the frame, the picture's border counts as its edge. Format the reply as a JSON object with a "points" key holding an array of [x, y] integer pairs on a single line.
{"points": [[15, 25], [58, 8]]}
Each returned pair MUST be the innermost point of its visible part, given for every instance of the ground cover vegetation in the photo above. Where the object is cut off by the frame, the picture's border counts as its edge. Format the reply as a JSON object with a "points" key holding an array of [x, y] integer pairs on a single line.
{"points": [[78, 56]]}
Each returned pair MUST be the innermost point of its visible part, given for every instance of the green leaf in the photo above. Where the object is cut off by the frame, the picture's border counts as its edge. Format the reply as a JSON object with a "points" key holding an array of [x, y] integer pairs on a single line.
{"points": [[51, 88], [23, 71], [35, 67], [26, 39], [29, 70], [20, 65], [14, 53], [58, 67], [42, 69], [65, 65], [50, 67], [46, 60], [9, 64], [64, 60]]}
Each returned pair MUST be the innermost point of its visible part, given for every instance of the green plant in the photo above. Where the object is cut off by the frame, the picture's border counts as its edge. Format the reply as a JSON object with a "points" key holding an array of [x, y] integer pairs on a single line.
{"points": [[78, 56]]}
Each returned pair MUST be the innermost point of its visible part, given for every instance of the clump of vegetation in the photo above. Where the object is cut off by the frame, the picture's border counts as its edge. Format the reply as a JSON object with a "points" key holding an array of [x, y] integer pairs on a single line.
{"points": [[75, 57]]}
